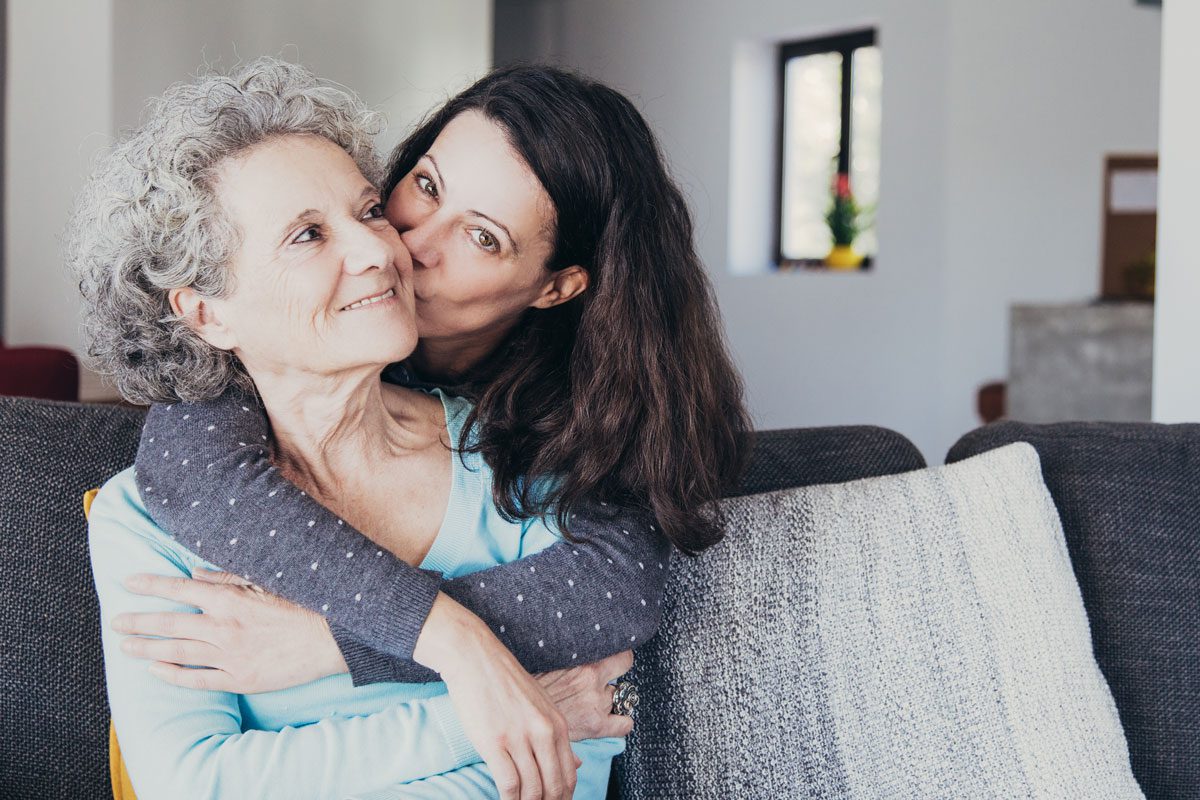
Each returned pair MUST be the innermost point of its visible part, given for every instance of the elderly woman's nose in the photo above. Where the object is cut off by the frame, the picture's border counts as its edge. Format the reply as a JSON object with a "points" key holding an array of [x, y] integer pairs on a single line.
{"points": [[368, 248]]}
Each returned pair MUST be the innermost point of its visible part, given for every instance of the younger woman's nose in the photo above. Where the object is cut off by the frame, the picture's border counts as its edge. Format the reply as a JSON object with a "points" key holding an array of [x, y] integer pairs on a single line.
{"points": [[422, 243]]}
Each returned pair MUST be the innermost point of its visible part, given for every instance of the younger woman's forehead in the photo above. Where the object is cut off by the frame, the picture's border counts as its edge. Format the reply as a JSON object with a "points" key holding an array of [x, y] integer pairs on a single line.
{"points": [[481, 171]]}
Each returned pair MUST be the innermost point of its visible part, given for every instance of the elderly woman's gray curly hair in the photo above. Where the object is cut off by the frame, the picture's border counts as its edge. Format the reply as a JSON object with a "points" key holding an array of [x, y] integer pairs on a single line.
{"points": [[148, 220]]}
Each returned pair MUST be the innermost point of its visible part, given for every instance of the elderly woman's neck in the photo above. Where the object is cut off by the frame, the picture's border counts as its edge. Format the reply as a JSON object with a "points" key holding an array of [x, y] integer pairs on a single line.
{"points": [[449, 360], [327, 427]]}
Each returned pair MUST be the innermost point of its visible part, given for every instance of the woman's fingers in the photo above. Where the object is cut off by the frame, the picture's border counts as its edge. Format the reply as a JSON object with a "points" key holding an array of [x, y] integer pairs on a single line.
{"points": [[549, 741], [529, 777], [215, 576], [176, 651], [615, 725], [569, 764], [209, 680], [550, 765], [504, 773], [171, 624], [615, 665], [182, 590]]}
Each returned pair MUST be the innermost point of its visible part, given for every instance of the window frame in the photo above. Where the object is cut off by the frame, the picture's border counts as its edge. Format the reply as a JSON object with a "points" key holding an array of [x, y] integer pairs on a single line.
{"points": [[845, 44]]}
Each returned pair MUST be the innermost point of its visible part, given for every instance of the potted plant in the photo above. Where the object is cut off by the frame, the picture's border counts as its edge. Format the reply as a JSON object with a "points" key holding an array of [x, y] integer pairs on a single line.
{"points": [[845, 220]]}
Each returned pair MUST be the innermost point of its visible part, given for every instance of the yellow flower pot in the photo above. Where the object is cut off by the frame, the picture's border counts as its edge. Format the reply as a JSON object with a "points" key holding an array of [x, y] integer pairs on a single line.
{"points": [[842, 256]]}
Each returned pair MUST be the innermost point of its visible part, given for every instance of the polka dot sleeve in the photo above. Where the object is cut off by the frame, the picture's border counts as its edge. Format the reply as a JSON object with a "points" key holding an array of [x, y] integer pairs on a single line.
{"points": [[570, 604], [205, 477]]}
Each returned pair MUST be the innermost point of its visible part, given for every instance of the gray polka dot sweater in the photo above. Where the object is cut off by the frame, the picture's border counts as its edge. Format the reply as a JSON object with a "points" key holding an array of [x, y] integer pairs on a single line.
{"points": [[206, 478]]}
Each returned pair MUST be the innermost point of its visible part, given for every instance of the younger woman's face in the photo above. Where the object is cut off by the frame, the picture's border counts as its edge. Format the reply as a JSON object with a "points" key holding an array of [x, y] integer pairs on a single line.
{"points": [[480, 229]]}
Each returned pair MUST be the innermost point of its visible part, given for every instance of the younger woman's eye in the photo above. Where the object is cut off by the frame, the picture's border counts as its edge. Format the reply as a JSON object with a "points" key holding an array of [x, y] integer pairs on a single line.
{"points": [[485, 240], [310, 234], [374, 212], [426, 185]]}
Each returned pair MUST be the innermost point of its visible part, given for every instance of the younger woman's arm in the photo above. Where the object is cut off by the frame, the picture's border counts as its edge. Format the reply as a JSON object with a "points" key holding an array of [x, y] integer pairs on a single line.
{"points": [[206, 477], [563, 606]]}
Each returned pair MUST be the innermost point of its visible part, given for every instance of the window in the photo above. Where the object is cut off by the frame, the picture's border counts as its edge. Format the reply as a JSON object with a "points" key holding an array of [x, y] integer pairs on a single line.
{"points": [[829, 124]]}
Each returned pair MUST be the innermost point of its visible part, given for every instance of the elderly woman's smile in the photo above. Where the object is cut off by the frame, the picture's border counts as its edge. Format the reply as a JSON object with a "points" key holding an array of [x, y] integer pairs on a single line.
{"points": [[314, 254], [372, 300]]}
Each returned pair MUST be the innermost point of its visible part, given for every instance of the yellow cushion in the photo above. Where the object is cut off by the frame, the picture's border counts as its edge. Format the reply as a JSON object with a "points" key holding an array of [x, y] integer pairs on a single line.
{"points": [[122, 788]]}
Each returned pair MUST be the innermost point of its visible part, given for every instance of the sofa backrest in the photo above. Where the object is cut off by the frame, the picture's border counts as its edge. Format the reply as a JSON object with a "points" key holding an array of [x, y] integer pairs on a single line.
{"points": [[54, 718], [785, 459], [53, 708], [1129, 498]]}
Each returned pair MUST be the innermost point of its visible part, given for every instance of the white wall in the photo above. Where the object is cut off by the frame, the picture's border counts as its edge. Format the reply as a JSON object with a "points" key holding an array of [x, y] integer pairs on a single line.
{"points": [[79, 71], [996, 116], [401, 56], [1176, 321], [59, 113], [1038, 94], [815, 348]]}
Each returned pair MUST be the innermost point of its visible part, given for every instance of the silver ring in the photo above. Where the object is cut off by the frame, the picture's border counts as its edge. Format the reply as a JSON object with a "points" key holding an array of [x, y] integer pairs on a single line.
{"points": [[625, 698]]}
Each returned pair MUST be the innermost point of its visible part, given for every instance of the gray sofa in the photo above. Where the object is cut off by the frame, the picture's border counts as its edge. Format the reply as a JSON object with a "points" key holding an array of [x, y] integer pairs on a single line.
{"points": [[1129, 497]]}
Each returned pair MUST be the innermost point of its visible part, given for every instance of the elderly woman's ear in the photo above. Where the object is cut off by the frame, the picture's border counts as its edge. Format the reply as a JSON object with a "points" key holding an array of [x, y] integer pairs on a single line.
{"points": [[202, 315]]}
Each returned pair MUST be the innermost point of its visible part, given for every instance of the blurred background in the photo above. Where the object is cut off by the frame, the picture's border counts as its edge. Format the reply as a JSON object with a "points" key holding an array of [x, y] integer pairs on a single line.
{"points": [[921, 214]]}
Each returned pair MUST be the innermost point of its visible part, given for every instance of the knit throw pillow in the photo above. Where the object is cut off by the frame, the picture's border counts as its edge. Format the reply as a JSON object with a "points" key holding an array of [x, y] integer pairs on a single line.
{"points": [[912, 636], [1127, 494]]}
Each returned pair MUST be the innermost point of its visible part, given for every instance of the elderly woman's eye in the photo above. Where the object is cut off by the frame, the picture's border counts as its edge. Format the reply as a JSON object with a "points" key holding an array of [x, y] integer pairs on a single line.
{"points": [[374, 212], [485, 240], [426, 185], [310, 234]]}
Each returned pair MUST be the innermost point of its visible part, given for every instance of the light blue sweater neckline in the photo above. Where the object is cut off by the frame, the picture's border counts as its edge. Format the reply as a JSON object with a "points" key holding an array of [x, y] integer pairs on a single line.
{"points": [[466, 492]]}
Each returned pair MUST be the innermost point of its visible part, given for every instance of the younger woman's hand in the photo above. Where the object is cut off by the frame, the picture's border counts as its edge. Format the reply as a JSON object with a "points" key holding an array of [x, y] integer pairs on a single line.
{"points": [[246, 640], [584, 695]]}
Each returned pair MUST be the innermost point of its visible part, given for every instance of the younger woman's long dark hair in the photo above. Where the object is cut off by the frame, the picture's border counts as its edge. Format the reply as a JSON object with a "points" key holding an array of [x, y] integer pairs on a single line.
{"points": [[627, 393]]}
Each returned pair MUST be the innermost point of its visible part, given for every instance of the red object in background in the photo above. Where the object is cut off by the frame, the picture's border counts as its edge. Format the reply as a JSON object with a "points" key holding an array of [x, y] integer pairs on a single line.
{"points": [[842, 187], [991, 403], [46, 372]]}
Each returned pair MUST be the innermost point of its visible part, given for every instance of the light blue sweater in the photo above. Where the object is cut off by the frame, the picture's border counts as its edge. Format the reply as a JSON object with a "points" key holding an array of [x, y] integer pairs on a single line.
{"points": [[326, 739]]}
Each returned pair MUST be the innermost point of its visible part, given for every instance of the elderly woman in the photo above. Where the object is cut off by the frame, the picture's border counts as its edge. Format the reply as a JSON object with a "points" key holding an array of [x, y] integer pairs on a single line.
{"points": [[237, 241]]}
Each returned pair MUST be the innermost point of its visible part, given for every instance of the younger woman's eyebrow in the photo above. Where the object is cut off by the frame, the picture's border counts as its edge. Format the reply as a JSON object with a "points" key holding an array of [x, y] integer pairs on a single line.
{"points": [[436, 168], [511, 241]]}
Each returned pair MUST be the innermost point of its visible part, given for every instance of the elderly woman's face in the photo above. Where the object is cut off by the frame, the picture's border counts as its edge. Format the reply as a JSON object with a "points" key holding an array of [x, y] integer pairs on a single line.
{"points": [[321, 280]]}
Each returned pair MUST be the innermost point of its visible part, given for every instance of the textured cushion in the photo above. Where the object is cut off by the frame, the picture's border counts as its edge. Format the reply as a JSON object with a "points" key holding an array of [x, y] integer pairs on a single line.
{"points": [[53, 710], [912, 636], [1129, 497]]}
